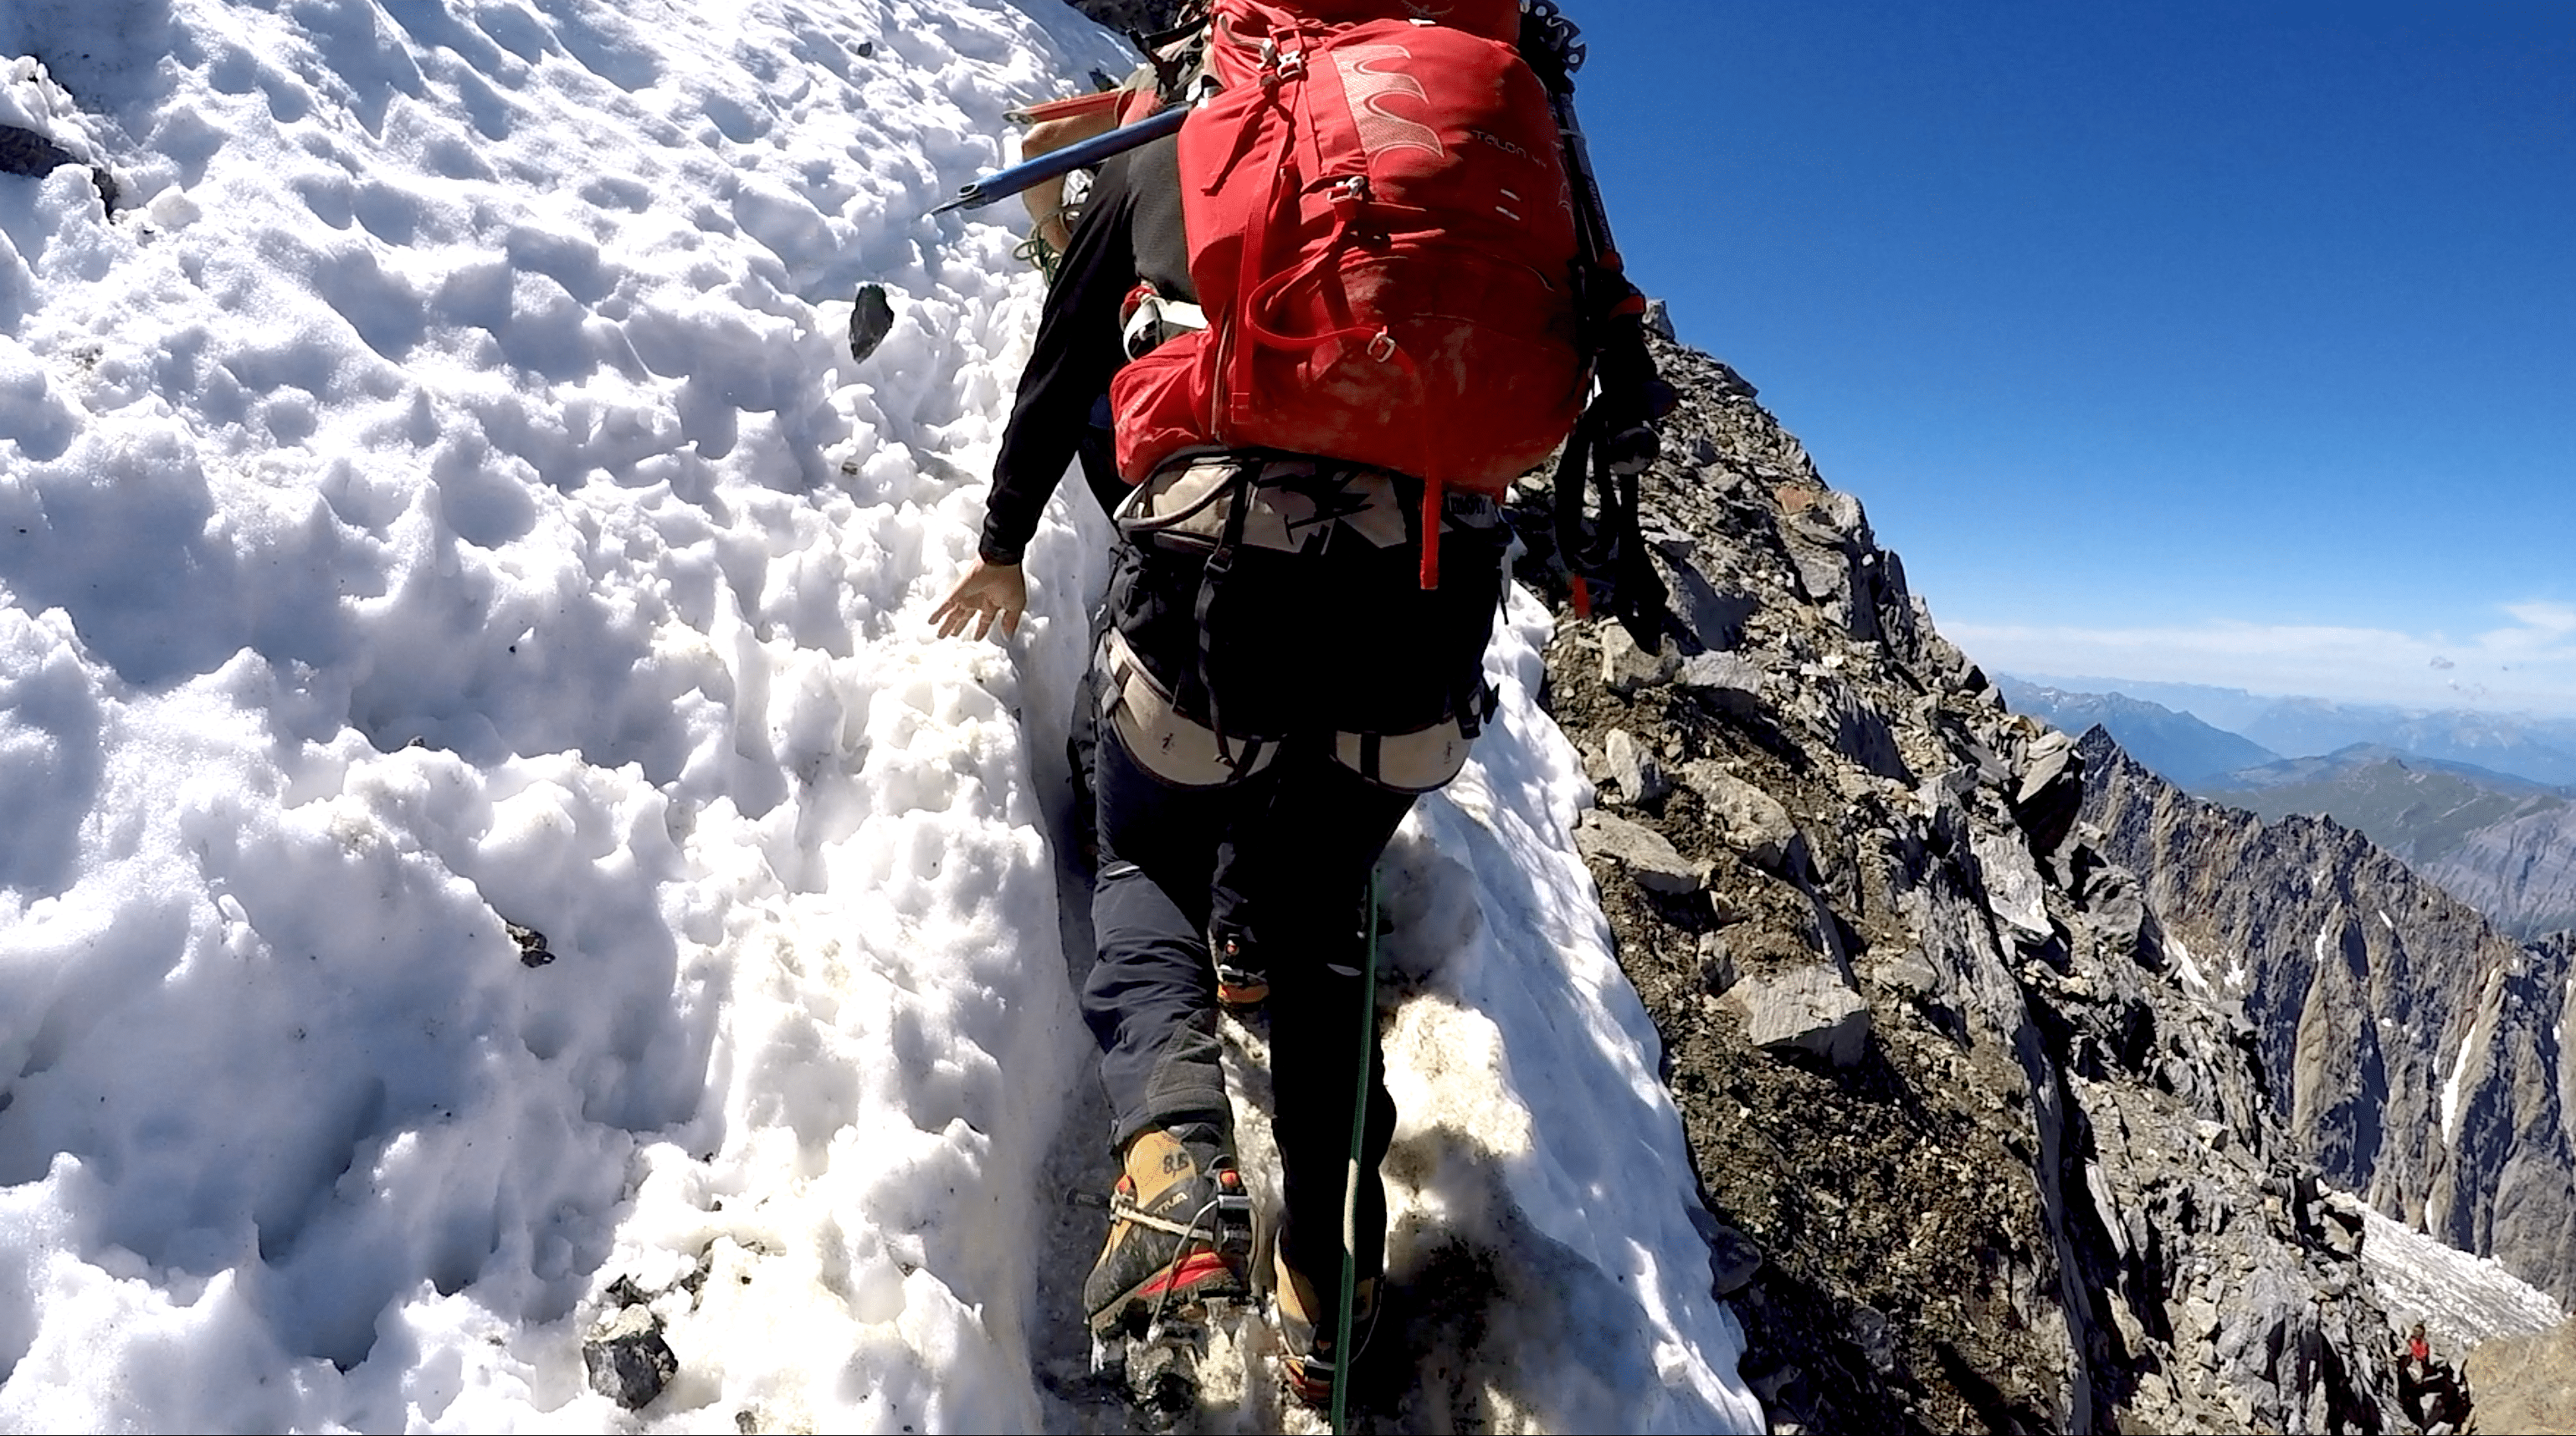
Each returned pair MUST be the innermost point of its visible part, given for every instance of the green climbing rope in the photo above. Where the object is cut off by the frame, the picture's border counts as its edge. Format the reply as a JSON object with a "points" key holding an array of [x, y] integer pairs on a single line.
{"points": [[1351, 1177]]}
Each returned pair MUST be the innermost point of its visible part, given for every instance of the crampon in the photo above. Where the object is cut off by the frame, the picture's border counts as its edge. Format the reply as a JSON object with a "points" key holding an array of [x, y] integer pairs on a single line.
{"points": [[1175, 1364], [1170, 1284]]}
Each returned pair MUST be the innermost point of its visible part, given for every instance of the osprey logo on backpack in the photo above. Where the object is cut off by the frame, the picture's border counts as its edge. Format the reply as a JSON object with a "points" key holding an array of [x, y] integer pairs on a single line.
{"points": [[1368, 88], [1384, 246]]}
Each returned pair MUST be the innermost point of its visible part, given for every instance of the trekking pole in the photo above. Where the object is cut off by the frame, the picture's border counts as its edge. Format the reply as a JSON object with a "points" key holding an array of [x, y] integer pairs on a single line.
{"points": [[1604, 296], [1003, 183], [1616, 440], [1351, 1179]]}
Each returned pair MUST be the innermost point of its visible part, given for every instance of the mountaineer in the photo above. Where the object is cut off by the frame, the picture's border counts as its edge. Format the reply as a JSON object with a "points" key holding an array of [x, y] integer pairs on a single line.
{"points": [[1354, 297]]}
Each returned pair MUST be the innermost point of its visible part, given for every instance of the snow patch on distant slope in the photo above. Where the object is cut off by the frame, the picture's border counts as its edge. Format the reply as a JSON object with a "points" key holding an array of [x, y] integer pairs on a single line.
{"points": [[2473, 1043], [2462, 1298], [2185, 967]]}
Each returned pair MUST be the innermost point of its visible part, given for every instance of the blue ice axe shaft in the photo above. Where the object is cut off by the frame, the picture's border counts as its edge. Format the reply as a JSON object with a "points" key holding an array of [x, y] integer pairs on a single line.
{"points": [[1002, 184]]}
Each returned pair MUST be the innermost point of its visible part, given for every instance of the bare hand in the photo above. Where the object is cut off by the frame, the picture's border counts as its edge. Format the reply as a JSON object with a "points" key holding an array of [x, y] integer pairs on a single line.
{"points": [[988, 592]]}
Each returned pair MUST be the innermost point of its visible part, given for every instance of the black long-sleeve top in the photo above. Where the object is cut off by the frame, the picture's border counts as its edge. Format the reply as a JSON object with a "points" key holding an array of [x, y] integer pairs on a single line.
{"points": [[1130, 230]]}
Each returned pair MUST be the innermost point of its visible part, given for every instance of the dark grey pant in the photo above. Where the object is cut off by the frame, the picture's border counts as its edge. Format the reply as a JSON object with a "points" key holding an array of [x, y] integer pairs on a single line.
{"points": [[1151, 998], [1299, 646]]}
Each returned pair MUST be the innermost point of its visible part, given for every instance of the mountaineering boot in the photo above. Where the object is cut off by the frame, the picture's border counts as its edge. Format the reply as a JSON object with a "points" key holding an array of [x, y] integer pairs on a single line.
{"points": [[1242, 978], [1308, 1322], [1180, 1231]]}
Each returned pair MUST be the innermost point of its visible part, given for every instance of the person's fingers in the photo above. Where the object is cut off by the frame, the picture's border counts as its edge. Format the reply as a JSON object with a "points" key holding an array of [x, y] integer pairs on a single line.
{"points": [[981, 599]]}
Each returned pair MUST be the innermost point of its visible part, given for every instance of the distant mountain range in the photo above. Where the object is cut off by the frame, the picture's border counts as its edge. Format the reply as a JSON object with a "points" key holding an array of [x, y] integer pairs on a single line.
{"points": [[2503, 845], [2230, 708], [2498, 834], [2409, 804], [2177, 746], [2540, 749]]}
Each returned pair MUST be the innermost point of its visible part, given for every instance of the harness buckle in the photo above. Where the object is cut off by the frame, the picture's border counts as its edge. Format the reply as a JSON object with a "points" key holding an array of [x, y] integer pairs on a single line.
{"points": [[1278, 64]]}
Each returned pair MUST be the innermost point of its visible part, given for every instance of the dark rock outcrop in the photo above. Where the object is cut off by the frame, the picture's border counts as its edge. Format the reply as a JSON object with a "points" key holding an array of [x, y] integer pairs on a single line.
{"points": [[627, 1360], [2006, 1168], [35, 152], [1130, 16]]}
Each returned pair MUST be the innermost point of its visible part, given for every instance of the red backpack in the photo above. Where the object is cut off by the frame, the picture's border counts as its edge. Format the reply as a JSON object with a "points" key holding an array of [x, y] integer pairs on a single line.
{"points": [[1383, 238]]}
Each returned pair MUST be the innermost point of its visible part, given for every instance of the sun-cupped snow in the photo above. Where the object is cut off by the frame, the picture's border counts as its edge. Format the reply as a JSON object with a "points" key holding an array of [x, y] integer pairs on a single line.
{"points": [[486, 831]]}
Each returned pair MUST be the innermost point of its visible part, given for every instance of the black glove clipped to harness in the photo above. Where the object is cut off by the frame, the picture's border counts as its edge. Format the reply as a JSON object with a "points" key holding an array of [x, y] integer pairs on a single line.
{"points": [[1632, 398], [1611, 447]]}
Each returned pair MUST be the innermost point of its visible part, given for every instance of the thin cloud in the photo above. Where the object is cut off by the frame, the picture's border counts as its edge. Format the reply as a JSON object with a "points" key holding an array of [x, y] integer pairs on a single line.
{"points": [[2529, 663], [2558, 620]]}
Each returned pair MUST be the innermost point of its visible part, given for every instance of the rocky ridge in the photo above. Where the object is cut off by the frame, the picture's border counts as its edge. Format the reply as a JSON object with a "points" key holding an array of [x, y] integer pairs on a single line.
{"points": [[2527, 1383], [2413, 1052], [2178, 745], [2521, 871], [2504, 845], [2004, 1166]]}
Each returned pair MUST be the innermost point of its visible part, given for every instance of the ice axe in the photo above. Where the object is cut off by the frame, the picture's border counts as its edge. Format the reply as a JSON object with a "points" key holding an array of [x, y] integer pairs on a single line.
{"points": [[1002, 184]]}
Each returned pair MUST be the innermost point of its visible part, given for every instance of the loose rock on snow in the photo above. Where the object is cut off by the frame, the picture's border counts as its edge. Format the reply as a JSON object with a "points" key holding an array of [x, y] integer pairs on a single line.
{"points": [[531, 944], [628, 1360]]}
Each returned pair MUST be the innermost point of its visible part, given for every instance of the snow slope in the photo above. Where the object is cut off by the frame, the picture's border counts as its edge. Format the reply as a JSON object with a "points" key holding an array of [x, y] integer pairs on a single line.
{"points": [[440, 499]]}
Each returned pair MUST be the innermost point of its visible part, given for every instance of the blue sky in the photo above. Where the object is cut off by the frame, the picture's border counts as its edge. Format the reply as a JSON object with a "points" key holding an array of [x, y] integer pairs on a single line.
{"points": [[2218, 343]]}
